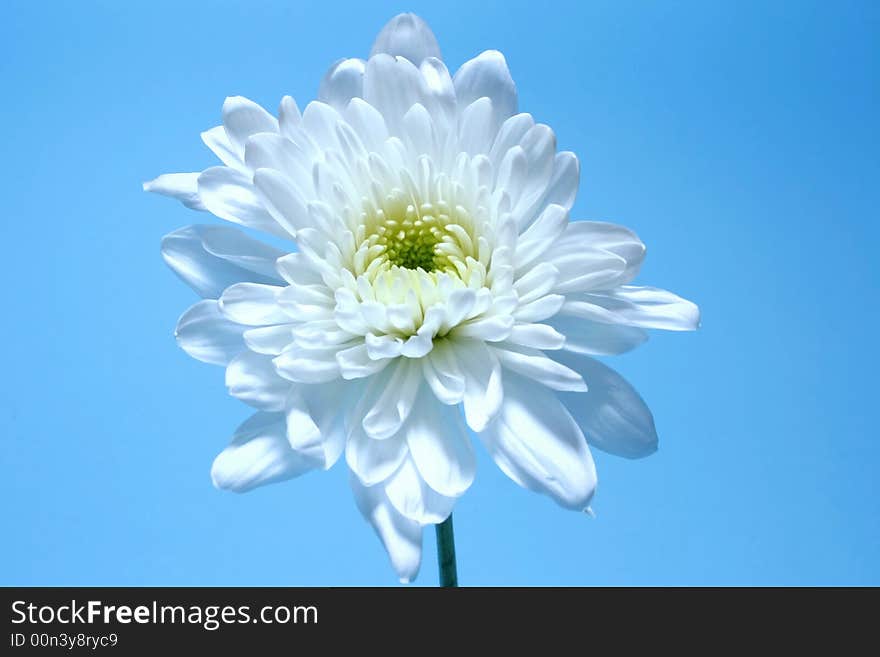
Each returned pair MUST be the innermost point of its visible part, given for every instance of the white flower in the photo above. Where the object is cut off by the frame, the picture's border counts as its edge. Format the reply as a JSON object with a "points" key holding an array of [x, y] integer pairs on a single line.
{"points": [[435, 271]]}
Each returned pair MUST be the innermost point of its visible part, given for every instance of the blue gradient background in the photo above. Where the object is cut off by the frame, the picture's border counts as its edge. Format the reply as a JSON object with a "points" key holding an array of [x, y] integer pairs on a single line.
{"points": [[739, 139]]}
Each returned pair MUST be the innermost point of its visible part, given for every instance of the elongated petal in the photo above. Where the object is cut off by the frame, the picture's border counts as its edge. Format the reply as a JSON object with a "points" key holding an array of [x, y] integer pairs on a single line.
{"points": [[373, 461], [242, 118], [218, 141], [584, 336], [645, 307], [393, 406], [252, 378], [253, 304], [182, 186], [392, 85], [539, 367], [537, 443], [344, 81], [205, 334], [440, 447], [407, 35], [211, 258], [600, 236], [483, 390], [486, 75], [612, 415], [229, 194], [401, 537], [414, 499], [260, 454]]}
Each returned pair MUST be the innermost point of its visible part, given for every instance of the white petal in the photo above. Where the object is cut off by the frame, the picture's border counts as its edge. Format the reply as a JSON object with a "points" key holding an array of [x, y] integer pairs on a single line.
{"points": [[182, 186], [218, 141], [477, 127], [259, 454], [537, 443], [393, 406], [563, 186], [242, 118], [401, 537], [646, 307], [539, 367], [289, 116], [230, 195], [392, 86], [483, 391], [414, 499], [211, 258], [307, 365], [253, 304], [323, 402], [536, 336], [408, 36], [539, 144], [205, 334], [355, 362], [439, 91], [540, 309], [252, 378], [268, 340], [540, 236], [602, 236], [584, 336], [344, 81], [440, 446], [368, 123], [282, 200], [612, 415], [588, 269], [510, 134], [488, 329], [443, 375], [373, 461], [486, 75]]}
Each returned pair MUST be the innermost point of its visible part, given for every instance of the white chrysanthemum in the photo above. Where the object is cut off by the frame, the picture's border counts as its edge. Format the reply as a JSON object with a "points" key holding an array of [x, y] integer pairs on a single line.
{"points": [[434, 271]]}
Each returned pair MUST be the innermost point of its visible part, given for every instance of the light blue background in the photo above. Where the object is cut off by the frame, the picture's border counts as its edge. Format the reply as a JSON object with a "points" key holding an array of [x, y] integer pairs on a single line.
{"points": [[739, 139]]}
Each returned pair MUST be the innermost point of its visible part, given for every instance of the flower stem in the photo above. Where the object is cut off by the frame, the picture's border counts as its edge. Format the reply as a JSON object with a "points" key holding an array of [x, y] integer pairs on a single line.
{"points": [[446, 553]]}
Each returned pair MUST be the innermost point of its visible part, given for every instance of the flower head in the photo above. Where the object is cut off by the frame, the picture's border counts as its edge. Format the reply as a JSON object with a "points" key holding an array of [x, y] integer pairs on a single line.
{"points": [[433, 284]]}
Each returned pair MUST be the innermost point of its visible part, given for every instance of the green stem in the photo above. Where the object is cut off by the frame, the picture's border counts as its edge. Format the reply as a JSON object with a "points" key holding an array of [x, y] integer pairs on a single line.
{"points": [[446, 553]]}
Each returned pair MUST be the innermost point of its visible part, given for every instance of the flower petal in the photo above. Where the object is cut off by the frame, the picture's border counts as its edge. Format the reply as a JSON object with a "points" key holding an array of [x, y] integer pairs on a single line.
{"points": [[612, 415], [440, 446], [253, 304], [407, 35], [537, 443], [486, 75], [182, 186], [252, 378], [401, 537], [242, 118], [373, 461], [414, 499], [206, 335], [539, 367], [211, 258], [344, 81], [230, 195], [218, 141], [483, 392], [260, 454], [645, 307], [392, 85], [395, 403], [583, 336]]}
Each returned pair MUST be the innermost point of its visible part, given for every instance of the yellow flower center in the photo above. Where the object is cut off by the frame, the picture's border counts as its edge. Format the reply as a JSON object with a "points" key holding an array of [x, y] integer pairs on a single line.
{"points": [[431, 236]]}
